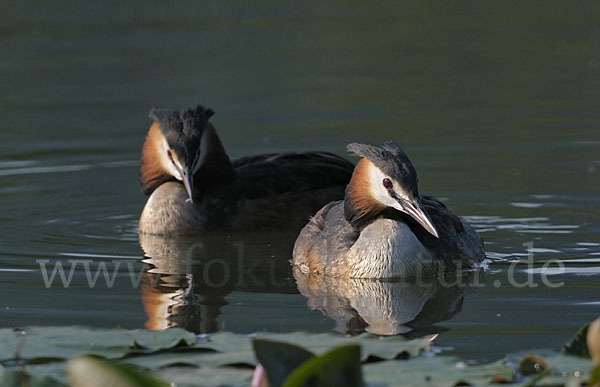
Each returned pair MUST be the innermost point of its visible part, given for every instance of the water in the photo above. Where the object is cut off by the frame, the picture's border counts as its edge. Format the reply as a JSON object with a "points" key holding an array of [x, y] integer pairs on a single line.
{"points": [[496, 103]]}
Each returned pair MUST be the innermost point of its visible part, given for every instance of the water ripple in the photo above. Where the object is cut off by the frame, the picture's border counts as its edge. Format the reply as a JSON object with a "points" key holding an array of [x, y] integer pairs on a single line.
{"points": [[25, 167], [87, 255], [32, 170]]}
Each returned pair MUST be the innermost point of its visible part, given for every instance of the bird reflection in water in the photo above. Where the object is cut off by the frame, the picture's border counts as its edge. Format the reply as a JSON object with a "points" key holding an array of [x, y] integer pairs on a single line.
{"points": [[185, 281], [388, 307]]}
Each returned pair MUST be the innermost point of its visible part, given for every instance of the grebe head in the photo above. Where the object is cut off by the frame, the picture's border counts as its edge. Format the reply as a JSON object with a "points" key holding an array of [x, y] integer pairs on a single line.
{"points": [[384, 178], [174, 147]]}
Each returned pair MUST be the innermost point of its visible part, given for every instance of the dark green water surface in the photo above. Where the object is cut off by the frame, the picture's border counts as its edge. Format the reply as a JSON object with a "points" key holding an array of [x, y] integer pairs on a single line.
{"points": [[497, 103]]}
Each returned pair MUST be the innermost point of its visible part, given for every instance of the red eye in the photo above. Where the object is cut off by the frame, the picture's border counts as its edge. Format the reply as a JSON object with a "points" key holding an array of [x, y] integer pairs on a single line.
{"points": [[387, 183], [169, 153]]}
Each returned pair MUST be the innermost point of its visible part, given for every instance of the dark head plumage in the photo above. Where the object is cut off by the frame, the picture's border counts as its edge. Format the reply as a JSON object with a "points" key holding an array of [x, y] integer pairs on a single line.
{"points": [[392, 160], [183, 129]]}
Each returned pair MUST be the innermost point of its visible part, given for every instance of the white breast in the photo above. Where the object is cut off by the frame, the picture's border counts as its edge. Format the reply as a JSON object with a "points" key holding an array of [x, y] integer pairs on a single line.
{"points": [[388, 248]]}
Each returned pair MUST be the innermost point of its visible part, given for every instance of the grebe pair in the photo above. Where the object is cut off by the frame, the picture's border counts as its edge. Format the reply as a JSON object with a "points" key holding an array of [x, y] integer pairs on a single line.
{"points": [[383, 228]]}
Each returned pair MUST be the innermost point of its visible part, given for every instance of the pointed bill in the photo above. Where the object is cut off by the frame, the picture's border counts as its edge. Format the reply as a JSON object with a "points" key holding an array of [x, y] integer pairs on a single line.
{"points": [[188, 182], [416, 210]]}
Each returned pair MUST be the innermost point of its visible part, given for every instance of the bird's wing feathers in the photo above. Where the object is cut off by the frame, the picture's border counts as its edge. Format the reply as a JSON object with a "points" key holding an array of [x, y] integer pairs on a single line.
{"points": [[276, 174], [456, 236]]}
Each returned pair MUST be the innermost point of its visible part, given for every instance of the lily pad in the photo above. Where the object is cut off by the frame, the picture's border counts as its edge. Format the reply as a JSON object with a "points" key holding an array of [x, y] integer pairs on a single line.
{"points": [[181, 357], [436, 371], [54, 370], [373, 347], [559, 362], [38, 345], [14, 378], [207, 376], [451, 371], [191, 358], [234, 349]]}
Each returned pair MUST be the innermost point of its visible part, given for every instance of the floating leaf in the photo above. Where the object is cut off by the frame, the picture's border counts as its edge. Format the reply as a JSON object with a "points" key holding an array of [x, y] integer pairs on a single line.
{"points": [[279, 359], [207, 376], [87, 371], [39, 345], [194, 358], [19, 378], [55, 370], [374, 347], [177, 356], [561, 363], [339, 367], [437, 371], [235, 349]]}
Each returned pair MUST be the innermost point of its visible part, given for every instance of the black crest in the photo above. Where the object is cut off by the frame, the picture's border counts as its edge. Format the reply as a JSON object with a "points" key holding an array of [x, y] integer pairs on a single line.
{"points": [[183, 129], [392, 160]]}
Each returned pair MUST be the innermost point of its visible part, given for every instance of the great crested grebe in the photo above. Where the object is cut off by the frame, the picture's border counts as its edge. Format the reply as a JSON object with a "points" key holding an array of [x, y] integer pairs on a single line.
{"points": [[383, 228], [194, 187]]}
